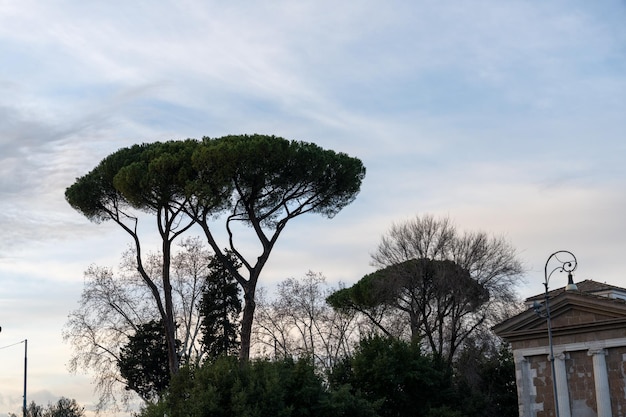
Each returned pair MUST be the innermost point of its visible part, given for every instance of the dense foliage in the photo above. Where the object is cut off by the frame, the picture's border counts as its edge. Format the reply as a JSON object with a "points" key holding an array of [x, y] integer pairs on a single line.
{"points": [[396, 376], [486, 373], [385, 377], [228, 388]]}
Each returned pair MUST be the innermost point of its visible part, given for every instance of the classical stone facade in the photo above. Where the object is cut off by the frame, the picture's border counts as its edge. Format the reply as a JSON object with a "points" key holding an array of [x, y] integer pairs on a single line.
{"points": [[589, 344]]}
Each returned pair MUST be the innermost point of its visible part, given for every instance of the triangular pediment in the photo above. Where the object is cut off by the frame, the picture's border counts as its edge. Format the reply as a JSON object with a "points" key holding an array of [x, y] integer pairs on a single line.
{"points": [[568, 311]]}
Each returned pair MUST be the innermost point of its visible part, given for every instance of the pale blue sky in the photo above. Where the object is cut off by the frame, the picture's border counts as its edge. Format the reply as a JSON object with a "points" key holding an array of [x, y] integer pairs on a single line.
{"points": [[507, 116]]}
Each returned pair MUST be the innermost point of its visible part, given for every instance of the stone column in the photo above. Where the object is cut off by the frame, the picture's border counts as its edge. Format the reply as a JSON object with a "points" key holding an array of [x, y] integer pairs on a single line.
{"points": [[562, 388], [601, 380], [524, 379]]}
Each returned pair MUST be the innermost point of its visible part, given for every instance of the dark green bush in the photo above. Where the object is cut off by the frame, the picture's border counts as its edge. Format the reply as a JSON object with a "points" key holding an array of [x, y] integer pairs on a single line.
{"points": [[227, 388]]}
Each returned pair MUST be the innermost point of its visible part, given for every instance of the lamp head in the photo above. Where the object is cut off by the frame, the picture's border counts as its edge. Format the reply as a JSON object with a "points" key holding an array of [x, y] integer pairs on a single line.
{"points": [[570, 283]]}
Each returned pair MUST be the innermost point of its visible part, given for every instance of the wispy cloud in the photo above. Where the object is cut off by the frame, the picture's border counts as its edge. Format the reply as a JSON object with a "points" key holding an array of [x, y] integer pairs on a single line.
{"points": [[506, 116]]}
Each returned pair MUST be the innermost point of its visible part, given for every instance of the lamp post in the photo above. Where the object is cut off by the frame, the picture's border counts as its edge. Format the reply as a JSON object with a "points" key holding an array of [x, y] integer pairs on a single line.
{"points": [[563, 266], [25, 341], [24, 410]]}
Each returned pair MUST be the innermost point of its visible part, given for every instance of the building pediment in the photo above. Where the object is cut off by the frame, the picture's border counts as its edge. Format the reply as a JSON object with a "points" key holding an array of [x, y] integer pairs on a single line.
{"points": [[570, 311]]}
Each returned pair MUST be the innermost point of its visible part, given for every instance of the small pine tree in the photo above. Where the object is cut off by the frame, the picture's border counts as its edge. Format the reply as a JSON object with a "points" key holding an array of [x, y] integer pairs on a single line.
{"points": [[220, 308], [143, 361]]}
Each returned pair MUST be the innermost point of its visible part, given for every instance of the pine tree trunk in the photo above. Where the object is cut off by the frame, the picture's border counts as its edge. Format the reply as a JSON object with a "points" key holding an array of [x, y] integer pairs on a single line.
{"points": [[246, 323]]}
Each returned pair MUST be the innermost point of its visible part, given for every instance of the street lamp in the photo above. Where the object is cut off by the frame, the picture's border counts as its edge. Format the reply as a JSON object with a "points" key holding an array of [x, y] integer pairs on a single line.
{"points": [[568, 265]]}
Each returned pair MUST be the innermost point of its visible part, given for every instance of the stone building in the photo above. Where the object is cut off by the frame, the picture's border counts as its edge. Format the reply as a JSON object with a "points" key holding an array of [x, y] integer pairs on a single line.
{"points": [[589, 344]]}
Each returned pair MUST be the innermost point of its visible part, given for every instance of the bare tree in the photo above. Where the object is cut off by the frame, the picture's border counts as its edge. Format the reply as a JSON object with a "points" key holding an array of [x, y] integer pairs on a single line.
{"points": [[111, 306], [190, 268], [490, 260], [298, 322], [114, 304], [447, 284]]}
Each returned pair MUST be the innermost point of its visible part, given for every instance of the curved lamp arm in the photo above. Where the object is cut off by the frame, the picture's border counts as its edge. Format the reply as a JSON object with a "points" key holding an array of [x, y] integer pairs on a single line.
{"points": [[566, 263]]}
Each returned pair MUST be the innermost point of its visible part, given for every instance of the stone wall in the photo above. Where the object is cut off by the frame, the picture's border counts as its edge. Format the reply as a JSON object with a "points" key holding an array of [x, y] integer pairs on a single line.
{"points": [[589, 371], [581, 384], [541, 375]]}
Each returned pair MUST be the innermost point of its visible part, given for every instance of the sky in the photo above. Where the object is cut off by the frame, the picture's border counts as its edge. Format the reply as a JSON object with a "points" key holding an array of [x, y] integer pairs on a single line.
{"points": [[506, 117]]}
